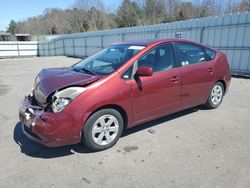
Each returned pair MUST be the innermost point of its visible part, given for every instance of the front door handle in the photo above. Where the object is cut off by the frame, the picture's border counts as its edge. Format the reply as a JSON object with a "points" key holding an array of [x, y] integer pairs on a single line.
{"points": [[174, 79], [210, 70]]}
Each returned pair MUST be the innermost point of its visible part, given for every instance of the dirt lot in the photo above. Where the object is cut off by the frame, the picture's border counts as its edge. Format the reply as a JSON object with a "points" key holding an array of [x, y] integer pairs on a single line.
{"points": [[193, 148]]}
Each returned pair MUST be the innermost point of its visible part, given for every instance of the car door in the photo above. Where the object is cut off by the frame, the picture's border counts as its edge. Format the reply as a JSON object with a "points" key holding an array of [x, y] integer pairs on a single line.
{"points": [[197, 74], [159, 94]]}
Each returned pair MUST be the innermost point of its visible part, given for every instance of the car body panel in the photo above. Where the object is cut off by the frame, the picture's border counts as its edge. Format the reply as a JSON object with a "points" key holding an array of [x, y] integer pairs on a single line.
{"points": [[195, 88], [56, 78], [155, 95]]}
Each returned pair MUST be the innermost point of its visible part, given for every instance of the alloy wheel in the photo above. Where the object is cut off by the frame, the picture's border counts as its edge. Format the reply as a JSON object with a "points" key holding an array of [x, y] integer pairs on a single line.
{"points": [[105, 129], [217, 94]]}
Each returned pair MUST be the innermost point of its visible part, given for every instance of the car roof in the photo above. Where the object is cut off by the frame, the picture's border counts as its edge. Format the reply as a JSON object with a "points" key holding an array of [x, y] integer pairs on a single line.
{"points": [[136, 43], [159, 41]]}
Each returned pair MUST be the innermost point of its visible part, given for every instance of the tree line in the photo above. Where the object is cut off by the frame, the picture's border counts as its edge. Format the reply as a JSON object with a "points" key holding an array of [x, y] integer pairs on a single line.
{"points": [[92, 15]]}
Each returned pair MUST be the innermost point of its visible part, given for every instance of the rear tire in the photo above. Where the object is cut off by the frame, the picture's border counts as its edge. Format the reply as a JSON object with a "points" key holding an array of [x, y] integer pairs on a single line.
{"points": [[103, 129], [216, 96]]}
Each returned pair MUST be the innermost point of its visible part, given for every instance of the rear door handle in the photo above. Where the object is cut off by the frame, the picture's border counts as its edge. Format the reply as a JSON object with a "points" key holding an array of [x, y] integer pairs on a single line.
{"points": [[174, 79]]}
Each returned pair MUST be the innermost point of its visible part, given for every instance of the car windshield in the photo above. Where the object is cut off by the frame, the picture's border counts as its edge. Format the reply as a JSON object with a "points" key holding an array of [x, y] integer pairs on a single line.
{"points": [[107, 60]]}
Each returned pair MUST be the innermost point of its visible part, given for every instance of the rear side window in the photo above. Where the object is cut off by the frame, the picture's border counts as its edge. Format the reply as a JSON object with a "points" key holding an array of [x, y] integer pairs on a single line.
{"points": [[210, 54], [190, 53]]}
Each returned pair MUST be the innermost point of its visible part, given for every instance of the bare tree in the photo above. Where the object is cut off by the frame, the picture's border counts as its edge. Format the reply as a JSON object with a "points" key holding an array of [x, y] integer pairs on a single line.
{"points": [[92, 15], [154, 11], [245, 5]]}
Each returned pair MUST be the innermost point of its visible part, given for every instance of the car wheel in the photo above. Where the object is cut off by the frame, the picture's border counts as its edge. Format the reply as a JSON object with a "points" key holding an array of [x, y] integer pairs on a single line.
{"points": [[102, 130], [215, 96]]}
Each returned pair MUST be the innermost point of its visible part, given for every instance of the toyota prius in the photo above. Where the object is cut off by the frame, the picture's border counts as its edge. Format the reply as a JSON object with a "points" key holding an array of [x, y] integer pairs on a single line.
{"points": [[121, 86]]}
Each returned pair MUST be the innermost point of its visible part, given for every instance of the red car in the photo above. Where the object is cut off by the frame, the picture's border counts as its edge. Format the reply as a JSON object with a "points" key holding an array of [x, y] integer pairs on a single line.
{"points": [[120, 87]]}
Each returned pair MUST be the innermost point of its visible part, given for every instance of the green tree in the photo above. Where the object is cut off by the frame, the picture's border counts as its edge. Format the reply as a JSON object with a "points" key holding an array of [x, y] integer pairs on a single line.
{"points": [[54, 30], [128, 14], [180, 16], [12, 28]]}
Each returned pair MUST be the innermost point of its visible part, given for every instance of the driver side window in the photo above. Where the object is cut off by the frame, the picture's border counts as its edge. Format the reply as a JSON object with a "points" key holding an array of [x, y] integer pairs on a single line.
{"points": [[160, 58]]}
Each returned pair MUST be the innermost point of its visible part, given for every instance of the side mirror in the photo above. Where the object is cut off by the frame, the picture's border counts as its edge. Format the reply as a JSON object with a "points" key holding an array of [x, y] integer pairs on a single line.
{"points": [[144, 71]]}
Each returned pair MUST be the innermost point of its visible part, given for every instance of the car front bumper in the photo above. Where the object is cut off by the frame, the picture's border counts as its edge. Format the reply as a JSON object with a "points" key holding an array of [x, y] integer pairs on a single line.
{"points": [[48, 128]]}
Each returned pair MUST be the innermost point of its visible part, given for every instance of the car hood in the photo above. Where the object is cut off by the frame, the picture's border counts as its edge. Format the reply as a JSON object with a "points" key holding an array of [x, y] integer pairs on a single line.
{"points": [[53, 79]]}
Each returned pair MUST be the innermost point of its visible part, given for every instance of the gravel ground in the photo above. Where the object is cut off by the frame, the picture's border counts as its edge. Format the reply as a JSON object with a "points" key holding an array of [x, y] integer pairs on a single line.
{"points": [[192, 148]]}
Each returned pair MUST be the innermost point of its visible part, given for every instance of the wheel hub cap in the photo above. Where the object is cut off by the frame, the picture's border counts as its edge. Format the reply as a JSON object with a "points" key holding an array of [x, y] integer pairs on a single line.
{"points": [[217, 94], [105, 129]]}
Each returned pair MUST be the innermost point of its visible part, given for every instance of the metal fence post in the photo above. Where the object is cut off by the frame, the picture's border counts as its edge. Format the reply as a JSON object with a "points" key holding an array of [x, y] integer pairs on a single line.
{"points": [[73, 42], [201, 34], [63, 47], [18, 51], [101, 42], [156, 33], [37, 46], [48, 50], [123, 36], [54, 45], [43, 50], [85, 47]]}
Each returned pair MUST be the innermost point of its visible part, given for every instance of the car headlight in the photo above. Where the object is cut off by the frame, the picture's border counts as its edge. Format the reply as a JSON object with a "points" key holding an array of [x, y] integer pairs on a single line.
{"points": [[36, 83], [62, 98], [37, 80]]}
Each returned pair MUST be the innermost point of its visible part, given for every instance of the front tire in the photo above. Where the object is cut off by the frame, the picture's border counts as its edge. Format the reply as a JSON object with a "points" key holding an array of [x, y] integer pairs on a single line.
{"points": [[216, 96], [103, 129]]}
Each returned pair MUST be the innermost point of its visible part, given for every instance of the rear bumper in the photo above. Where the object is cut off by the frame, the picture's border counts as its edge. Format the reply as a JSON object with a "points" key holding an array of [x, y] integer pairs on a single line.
{"points": [[47, 128]]}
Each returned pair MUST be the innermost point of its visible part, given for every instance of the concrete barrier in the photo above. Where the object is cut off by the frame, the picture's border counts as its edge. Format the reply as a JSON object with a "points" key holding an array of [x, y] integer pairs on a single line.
{"points": [[18, 48]]}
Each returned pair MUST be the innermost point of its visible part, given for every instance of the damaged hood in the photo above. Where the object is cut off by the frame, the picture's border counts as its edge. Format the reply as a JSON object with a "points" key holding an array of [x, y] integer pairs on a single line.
{"points": [[52, 79]]}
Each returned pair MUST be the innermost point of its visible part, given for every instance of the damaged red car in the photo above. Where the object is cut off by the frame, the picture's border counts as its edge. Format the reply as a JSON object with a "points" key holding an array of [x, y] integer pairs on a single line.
{"points": [[119, 87]]}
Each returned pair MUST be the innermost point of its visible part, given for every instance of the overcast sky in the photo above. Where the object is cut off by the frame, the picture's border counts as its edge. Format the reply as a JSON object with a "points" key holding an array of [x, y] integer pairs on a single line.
{"points": [[19, 10]]}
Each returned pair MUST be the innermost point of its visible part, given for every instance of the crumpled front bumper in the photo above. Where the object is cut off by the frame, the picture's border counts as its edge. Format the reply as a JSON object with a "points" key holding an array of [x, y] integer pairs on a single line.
{"points": [[48, 128]]}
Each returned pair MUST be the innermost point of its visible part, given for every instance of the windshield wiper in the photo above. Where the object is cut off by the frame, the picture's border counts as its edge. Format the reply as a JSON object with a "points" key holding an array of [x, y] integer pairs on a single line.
{"points": [[88, 71], [85, 70]]}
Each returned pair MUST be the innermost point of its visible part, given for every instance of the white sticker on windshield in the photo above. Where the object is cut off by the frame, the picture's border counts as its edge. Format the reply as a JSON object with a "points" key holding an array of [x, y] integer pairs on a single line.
{"points": [[136, 47]]}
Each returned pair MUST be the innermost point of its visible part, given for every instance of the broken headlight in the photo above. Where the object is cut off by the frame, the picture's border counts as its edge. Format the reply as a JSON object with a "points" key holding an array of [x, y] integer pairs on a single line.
{"points": [[36, 83], [37, 80], [62, 98]]}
